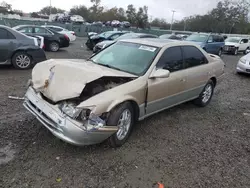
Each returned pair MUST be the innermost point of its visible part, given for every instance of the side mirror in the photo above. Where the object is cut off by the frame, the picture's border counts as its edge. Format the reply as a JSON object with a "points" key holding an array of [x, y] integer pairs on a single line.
{"points": [[241, 42], [160, 73]]}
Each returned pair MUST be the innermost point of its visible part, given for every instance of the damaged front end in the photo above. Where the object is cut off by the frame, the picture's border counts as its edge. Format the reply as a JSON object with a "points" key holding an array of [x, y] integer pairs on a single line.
{"points": [[68, 120]]}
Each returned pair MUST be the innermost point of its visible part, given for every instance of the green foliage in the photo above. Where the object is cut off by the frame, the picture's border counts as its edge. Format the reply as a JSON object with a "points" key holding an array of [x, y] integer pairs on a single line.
{"points": [[54, 10]]}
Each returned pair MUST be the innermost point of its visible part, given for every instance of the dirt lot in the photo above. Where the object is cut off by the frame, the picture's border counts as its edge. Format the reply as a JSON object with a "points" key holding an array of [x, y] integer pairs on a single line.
{"points": [[185, 146]]}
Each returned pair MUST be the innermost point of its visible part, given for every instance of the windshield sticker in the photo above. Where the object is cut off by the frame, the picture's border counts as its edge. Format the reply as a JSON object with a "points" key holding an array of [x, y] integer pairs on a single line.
{"points": [[151, 49]]}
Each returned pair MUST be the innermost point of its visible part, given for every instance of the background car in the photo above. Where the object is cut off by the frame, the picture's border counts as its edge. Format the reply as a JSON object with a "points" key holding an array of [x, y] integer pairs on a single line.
{"points": [[76, 19], [234, 45], [211, 43], [53, 41], [109, 35], [125, 24], [170, 36], [101, 45], [18, 49], [70, 34], [243, 65]]}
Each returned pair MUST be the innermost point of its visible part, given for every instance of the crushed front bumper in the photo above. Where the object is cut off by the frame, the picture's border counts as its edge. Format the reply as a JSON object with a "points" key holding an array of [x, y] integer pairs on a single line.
{"points": [[62, 126]]}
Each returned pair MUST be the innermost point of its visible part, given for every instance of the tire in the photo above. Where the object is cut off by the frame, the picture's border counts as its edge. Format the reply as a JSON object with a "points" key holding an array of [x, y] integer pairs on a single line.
{"points": [[21, 60], [236, 51], [118, 139], [54, 46], [245, 52], [220, 52], [205, 98]]}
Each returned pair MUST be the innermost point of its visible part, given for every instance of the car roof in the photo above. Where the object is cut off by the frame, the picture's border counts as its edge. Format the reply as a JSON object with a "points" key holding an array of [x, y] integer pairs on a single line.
{"points": [[157, 42]]}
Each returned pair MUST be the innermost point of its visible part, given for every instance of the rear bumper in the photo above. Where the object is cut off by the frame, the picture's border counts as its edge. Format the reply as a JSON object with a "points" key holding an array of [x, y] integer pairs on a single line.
{"points": [[38, 55], [62, 126], [64, 43]]}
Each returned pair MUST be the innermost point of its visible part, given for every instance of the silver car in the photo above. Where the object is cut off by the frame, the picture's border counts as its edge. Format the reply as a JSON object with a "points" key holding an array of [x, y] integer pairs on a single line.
{"points": [[243, 65]]}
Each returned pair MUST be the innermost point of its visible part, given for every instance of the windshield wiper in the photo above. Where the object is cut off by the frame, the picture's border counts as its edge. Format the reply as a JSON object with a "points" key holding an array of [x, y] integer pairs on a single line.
{"points": [[109, 66]]}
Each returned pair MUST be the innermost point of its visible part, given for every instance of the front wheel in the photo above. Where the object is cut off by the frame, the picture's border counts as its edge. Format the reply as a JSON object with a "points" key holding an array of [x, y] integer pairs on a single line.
{"points": [[220, 52], [21, 60], [122, 117], [236, 51], [206, 95]]}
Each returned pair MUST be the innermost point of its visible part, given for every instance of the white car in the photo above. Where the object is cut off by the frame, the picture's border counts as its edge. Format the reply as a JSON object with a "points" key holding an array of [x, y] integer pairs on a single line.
{"points": [[77, 19], [70, 34], [235, 45], [243, 65]]}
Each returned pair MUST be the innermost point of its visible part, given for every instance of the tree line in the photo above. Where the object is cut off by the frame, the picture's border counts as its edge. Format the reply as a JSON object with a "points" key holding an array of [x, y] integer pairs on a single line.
{"points": [[229, 16]]}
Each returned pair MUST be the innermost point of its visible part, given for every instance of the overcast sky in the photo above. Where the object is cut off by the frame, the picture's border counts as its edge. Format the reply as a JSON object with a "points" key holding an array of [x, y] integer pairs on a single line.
{"points": [[157, 8]]}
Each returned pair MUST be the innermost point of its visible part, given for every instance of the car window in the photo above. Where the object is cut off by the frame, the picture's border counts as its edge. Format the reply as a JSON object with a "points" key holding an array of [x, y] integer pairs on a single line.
{"points": [[56, 29], [245, 40], [171, 60], [216, 38], [193, 56], [41, 30], [4, 34], [210, 39], [25, 30]]}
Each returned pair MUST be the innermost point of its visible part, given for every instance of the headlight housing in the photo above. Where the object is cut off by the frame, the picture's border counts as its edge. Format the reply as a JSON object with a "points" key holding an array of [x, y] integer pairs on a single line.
{"points": [[84, 114], [244, 61]]}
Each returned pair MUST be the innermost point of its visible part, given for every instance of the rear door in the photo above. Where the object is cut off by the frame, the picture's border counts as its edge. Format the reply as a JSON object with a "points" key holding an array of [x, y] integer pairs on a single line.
{"points": [[214, 44], [7, 44], [198, 70], [243, 45]]}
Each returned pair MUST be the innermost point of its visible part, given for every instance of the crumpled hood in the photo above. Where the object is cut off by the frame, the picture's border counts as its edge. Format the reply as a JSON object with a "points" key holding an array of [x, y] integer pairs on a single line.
{"points": [[231, 44], [60, 79]]}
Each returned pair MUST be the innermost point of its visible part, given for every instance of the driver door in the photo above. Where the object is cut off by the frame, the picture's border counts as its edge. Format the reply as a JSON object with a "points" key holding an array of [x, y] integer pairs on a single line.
{"points": [[166, 92]]}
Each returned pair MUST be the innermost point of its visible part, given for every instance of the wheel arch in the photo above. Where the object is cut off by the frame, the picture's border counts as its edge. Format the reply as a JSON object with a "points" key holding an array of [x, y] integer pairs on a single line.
{"points": [[214, 80]]}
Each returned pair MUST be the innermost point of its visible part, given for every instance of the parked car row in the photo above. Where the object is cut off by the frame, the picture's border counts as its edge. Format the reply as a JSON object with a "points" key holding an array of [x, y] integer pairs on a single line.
{"points": [[53, 40], [20, 50]]}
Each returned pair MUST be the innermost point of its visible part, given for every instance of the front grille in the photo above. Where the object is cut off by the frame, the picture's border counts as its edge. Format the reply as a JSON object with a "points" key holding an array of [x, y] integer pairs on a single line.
{"points": [[42, 117]]}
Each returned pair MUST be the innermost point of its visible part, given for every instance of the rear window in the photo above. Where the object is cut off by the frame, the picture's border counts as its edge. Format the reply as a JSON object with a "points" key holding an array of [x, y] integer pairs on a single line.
{"points": [[197, 38]]}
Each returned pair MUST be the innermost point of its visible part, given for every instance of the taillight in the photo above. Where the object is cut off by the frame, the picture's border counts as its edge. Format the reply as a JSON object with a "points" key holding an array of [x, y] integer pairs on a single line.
{"points": [[65, 36]]}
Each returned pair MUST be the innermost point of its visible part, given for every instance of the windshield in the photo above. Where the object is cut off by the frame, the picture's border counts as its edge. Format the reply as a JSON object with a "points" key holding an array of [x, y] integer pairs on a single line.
{"points": [[234, 40], [127, 36], [197, 38], [128, 57]]}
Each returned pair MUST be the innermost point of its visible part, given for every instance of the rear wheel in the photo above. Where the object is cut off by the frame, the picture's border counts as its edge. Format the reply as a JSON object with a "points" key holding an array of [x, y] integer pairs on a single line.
{"points": [[21, 60], [54, 46], [206, 95], [122, 117]]}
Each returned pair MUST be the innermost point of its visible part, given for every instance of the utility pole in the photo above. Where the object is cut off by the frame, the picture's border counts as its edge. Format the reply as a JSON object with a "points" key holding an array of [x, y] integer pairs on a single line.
{"points": [[172, 20], [49, 7]]}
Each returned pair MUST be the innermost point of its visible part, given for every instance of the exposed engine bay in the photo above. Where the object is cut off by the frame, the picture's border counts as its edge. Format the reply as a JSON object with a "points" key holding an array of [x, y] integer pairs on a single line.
{"points": [[100, 85]]}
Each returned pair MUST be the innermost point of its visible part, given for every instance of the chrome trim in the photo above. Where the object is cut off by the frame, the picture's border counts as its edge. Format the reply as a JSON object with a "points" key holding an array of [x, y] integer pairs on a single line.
{"points": [[62, 126]]}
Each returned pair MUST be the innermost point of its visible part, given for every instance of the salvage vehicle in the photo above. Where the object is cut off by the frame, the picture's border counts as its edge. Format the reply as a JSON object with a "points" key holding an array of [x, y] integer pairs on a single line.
{"points": [[20, 50], [53, 41], [211, 43], [101, 45], [70, 34], [243, 65], [85, 102], [109, 35], [234, 45]]}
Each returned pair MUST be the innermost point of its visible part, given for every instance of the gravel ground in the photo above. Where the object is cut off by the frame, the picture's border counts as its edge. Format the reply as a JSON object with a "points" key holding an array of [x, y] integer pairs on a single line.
{"points": [[185, 146]]}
